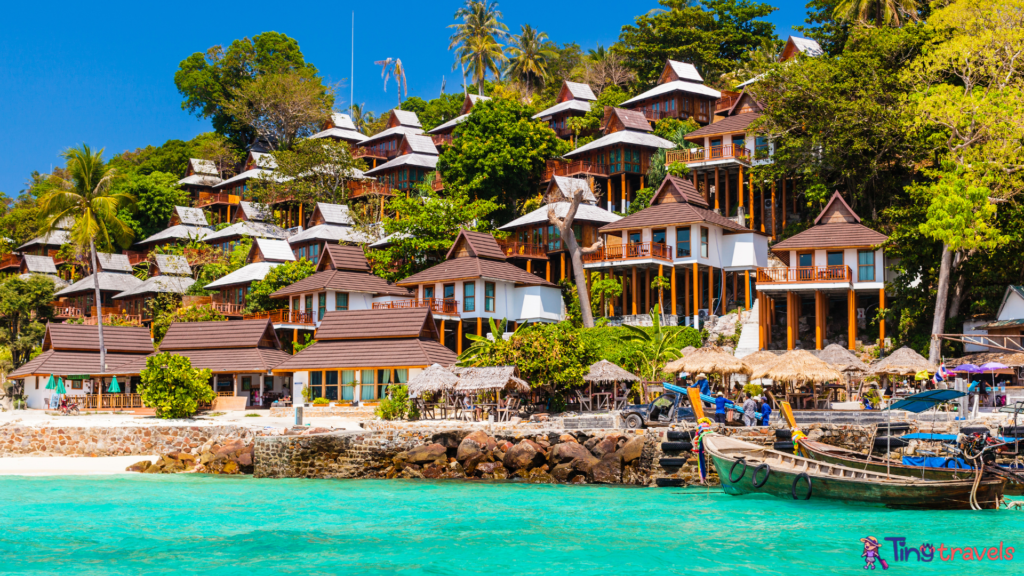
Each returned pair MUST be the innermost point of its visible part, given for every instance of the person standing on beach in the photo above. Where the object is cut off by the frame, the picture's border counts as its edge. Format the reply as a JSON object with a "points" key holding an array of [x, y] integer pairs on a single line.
{"points": [[766, 411], [720, 409], [749, 411]]}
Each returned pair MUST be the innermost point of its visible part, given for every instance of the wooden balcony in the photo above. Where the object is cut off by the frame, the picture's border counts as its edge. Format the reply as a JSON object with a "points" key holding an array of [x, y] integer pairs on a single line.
{"points": [[635, 251], [726, 101], [67, 312], [111, 319], [227, 308], [211, 198], [10, 261], [585, 167], [515, 249], [441, 139], [563, 133], [653, 115], [374, 152], [804, 274], [306, 318], [699, 155], [443, 306], [110, 401], [359, 188]]}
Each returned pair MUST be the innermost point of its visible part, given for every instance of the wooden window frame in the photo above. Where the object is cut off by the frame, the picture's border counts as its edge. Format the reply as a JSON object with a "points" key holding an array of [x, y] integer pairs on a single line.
{"points": [[679, 243], [841, 253], [489, 301], [468, 300], [337, 302], [799, 254], [705, 241], [866, 267]]}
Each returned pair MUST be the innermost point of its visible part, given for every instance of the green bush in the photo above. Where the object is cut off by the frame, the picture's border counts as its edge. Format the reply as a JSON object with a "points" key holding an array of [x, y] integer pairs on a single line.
{"points": [[754, 389], [397, 406], [173, 387], [321, 402]]}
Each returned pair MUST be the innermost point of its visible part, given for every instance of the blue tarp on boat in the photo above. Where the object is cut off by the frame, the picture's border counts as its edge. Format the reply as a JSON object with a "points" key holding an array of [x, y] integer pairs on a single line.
{"points": [[932, 437], [935, 462]]}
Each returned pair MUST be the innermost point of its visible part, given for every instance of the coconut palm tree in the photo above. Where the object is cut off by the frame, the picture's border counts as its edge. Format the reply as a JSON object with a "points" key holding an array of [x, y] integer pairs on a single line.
{"points": [[528, 57], [360, 117], [476, 40], [392, 68], [86, 197], [597, 54], [893, 13]]}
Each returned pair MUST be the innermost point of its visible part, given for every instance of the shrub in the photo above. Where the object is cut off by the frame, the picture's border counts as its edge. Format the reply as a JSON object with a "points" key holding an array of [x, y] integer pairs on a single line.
{"points": [[172, 387], [321, 402], [397, 406]]}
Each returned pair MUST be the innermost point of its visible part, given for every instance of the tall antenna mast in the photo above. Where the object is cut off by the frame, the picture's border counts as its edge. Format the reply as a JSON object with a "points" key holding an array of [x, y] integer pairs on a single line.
{"points": [[352, 79]]}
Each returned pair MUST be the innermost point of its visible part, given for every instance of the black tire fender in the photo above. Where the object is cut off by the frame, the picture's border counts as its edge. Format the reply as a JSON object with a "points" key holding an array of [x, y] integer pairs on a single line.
{"points": [[767, 472], [676, 446], [810, 487], [742, 471]]}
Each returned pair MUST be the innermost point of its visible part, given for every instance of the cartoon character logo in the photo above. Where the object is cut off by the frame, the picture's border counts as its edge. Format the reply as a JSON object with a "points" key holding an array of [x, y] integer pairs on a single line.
{"points": [[870, 554]]}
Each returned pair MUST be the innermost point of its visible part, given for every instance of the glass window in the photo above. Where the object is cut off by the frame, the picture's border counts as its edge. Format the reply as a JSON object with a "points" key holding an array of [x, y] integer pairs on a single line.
{"points": [[348, 379], [341, 300], [314, 252], [75, 384], [331, 385], [554, 238], [449, 291], [321, 305], [401, 375], [316, 383], [309, 303], [488, 296], [469, 297], [367, 389], [383, 379], [703, 242], [658, 236], [866, 265], [682, 243], [635, 237], [246, 383], [835, 258], [428, 292], [805, 260]]}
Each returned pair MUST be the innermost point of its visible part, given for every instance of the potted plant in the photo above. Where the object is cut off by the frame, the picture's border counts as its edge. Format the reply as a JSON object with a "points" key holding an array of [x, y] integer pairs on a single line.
{"points": [[321, 402]]}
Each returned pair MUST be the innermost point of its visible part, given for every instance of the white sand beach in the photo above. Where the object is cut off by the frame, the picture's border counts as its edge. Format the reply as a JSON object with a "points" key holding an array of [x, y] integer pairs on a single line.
{"points": [[67, 465]]}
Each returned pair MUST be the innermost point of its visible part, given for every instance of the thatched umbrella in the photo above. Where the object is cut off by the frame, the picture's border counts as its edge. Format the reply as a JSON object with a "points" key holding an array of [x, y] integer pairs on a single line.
{"points": [[605, 372], [688, 350], [903, 362], [496, 378], [842, 359], [435, 378], [708, 360], [798, 366], [760, 358]]}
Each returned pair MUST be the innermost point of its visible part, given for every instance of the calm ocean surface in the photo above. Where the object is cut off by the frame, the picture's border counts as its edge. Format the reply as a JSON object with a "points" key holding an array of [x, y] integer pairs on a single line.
{"points": [[190, 524]]}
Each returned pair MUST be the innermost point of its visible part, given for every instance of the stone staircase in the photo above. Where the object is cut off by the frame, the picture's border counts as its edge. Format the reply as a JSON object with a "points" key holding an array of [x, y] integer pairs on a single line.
{"points": [[749, 340]]}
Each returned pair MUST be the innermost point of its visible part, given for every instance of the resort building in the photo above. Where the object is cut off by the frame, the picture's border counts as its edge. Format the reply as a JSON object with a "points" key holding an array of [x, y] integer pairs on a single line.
{"points": [[442, 135], [230, 192], [72, 352], [341, 128], [172, 276], [48, 244], [834, 270], [476, 283], [384, 145], [417, 156], [359, 353], [617, 162], [708, 260], [201, 176], [573, 101], [233, 288], [253, 220], [186, 224], [342, 282], [536, 245], [329, 224], [114, 275], [680, 93], [40, 265], [241, 356]]}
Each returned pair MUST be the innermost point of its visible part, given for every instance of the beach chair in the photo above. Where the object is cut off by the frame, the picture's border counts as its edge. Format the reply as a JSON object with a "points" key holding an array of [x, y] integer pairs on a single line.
{"points": [[583, 401]]}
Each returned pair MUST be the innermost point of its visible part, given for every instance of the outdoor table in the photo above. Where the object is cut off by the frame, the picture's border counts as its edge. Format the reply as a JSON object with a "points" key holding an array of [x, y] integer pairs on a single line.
{"points": [[799, 397], [601, 400]]}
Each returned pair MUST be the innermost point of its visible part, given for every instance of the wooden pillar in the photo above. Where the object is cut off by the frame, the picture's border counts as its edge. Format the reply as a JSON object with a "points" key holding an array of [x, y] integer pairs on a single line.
{"points": [[647, 290], [762, 209], [295, 338], [563, 266], [694, 178], [479, 326], [791, 320], [302, 220], [686, 294], [696, 290], [711, 290], [623, 311], [752, 207], [793, 187], [852, 317], [547, 270], [673, 281], [632, 289], [707, 197], [528, 263], [442, 332], [881, 323], [784, 209], [726, 194], [773, 210], [717, 189], [735, 294], [739, 189], [746, 288], [458, 344], [622, 181], [761, 322], [818, 324]]}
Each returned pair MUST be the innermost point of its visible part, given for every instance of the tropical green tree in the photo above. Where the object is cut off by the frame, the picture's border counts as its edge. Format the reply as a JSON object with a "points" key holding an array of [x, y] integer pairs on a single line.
{"points": [[879, 12], [87, 197], [602, 290], [528, 56], [156, 194], [258, 298], [476, 40], [487, 350], [823, 27], [313, 170], [24, 311], [433, 113], [657, 346], [360, 116], [173, 387]]}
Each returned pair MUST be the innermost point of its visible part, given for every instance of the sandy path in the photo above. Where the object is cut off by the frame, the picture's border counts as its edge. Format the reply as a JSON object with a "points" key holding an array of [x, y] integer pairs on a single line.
{"points": [[67, 465]]}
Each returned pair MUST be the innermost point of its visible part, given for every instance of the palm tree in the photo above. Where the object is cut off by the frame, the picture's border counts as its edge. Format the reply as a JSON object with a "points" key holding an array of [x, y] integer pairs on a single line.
{"points": [[658, 346], [529, 54], [475, 40], [597, 54], [360, 117], [483, 349], [893, 13], [392, 68], [87, 199]]}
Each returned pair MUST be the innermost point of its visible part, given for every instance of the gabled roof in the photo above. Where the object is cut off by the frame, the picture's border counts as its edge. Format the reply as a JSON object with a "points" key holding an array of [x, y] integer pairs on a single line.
{"points": [[272, 250], [337, 257], [188, 216], [475, 245], [449, 125], [109, 282], [249, 174], [179, 232], [39, 264], [200, 166], [336, 214], [262, 160], [624, 137], [341, 134], [254, 212], [837, 210], [159, 285], [374, 324], [404, 118], [245, 275], [630, 119], [80, 337], [1010, 289], [219, 335], [417, 144], [342, 281], [396, 131], [585, 213], [565, 187], [675, 86], [674, 186], [838, 226], [580, 106], [796, 45], [329, 233], [428, 161], [200, 180], [681, 71], [343, 121], [472, 100], [247, 228], [727, 125], [113, 262], [171, 265], [676, 202], [55, 238], [575, 91]]}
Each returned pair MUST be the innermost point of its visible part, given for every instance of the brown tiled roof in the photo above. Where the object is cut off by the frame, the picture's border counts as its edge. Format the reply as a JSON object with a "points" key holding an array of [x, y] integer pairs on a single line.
{"points": [[632, 119], [344, 281], [64, 363], [832, 235], [399, 352], [82, 337], [213, 335], [369, 324], [674, 213], [844, 208], [727, 125], [241, 360], [343, 258], [480, 244], [471, 268], [685, 188]]}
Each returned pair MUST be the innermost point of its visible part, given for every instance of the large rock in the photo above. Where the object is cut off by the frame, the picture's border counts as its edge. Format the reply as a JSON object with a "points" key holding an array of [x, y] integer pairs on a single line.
{"points": [[139, 466], [633, 449], [523, 456], [567, 452], [483, 439], [606, 446], [475, 444], [425, 454], [562, 472], [608, 470], [585, 466]]}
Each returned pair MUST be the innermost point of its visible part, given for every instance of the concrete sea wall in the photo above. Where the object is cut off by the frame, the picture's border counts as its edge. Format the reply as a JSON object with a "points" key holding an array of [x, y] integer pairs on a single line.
{"points": [[16, 440]]}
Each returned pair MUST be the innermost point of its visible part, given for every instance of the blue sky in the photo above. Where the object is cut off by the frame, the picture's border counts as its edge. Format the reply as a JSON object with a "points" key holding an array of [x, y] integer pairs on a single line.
{"points": [[103, 74]]}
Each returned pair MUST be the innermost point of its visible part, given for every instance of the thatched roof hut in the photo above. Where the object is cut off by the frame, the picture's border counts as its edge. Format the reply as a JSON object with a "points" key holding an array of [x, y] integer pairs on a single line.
{"points": [[435, 378], [760, 358], [605, 372], [708, 360], [903, 362], [688, 350], [492, 378], [842, 359], [797, 366]]}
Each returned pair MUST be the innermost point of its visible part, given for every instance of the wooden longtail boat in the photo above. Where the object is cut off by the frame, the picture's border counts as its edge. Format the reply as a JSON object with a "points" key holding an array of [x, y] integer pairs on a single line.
{"points": [[746, 468]]}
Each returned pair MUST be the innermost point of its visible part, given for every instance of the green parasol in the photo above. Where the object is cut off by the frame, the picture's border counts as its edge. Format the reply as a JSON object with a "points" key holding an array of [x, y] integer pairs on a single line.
{"points": [[50, 384], [113, 386], [60, 386]]}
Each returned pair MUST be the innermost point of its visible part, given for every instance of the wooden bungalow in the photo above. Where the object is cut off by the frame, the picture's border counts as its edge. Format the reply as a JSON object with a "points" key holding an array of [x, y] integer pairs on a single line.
{"points": [[48, 244], [241, 356], [359, 353], [417, 156], [328, 224], [442, 135], [384, 145], [172, 275], [252, 220], [233, 288], [341, 128], [680, 238], [476, 283], [185, 224], [41, 265], [72, 351], [115, 276], [226, 195], [200, 178], [835, 268], [680, 93], [574, 100]]}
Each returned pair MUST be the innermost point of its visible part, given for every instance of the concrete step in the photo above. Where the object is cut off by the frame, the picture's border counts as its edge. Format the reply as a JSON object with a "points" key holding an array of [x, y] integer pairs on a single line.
{"points": [[749, 339]]}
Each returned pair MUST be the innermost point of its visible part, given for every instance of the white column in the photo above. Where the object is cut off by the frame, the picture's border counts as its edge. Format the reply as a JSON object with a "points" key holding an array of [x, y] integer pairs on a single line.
{"points": [[357, 389]]}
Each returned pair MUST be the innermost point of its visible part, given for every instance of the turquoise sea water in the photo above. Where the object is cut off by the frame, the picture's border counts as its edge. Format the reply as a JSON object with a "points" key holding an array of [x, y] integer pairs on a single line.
{"points": [[190, 524]]}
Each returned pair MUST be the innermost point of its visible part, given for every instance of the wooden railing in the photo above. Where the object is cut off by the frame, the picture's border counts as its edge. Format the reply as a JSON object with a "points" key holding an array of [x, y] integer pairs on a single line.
{"points": [[67, 312], [727, 100], [437, 305], [653, 115], [284, 317], [563, 132], [227, 308], [10, 260], [696, 155], [631, 252], [559, 168], [208, 198], [359, 188], [437, 185], [109, 401], [513, 248], [441, 139], [804, 274], [120, 319], [374, 152]]}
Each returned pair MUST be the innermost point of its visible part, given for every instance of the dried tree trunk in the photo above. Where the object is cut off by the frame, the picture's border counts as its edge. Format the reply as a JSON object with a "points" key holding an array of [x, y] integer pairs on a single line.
{"points": [[99, 307], [938, 323], [564, 226], [960, 288]]}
